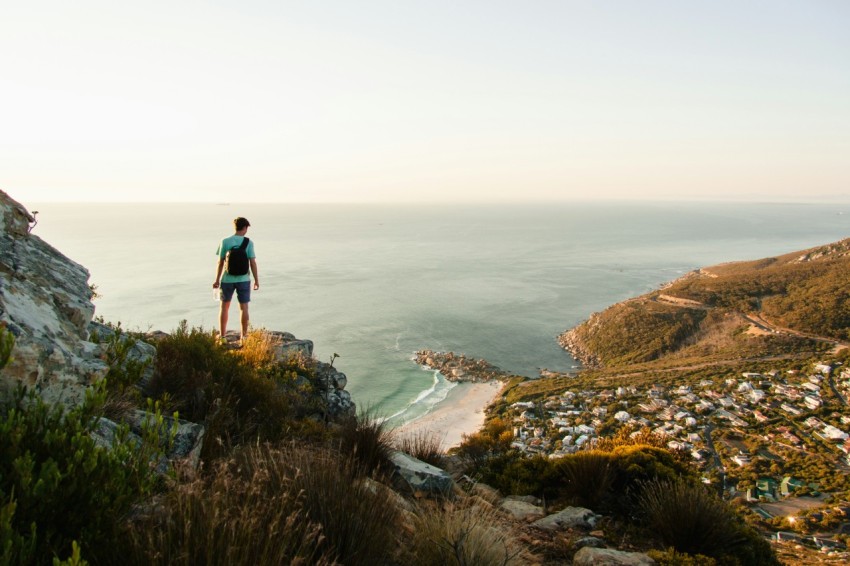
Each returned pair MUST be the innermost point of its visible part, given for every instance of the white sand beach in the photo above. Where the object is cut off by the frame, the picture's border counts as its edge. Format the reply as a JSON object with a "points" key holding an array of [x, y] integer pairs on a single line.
{"points": [[462, 412]]}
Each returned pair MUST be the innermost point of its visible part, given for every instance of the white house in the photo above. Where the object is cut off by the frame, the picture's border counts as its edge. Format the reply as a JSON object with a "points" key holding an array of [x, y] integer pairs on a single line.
{"points": [[834, 433]]}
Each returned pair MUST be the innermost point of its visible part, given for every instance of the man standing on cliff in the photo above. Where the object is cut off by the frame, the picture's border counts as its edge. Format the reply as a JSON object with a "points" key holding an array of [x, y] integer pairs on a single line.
{"points": [[231, 276]]}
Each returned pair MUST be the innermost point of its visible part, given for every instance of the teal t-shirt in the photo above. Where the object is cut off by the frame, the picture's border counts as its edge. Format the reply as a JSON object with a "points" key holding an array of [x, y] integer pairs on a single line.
{"points": [[227, 244]]}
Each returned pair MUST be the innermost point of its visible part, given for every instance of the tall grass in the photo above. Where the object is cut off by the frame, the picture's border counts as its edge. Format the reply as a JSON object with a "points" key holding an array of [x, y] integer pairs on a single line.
{"points": [[290, 505], [463, 535], [423, 445], [368, 441]]}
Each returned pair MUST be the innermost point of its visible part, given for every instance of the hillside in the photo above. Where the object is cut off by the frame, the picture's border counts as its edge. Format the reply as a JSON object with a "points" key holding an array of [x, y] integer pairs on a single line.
{"points": [[794, 303]]}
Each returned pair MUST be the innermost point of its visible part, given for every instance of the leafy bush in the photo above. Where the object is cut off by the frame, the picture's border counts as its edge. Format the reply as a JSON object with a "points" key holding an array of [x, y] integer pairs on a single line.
{"points": [[464, 535], [492, 440], [58, 486], [124, 374], [270, 506], [635, 465], [692, 520], [513, 473]]}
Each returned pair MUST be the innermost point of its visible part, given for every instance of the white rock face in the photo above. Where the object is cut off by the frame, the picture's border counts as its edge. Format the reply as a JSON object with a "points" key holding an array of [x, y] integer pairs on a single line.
{"points": [[45, 301]]}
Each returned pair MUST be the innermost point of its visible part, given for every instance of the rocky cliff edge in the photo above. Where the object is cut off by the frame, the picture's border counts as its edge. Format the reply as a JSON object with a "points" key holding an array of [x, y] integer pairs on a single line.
{"points": [[45, 301]]}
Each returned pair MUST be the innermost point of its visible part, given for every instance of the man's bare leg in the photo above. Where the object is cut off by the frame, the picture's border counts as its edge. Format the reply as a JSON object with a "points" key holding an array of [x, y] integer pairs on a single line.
{"points": [[244, 308], [222, 318]]}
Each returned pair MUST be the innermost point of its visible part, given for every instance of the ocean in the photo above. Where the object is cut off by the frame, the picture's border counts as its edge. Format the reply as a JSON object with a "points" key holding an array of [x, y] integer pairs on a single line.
{"points": [[375, 283]]}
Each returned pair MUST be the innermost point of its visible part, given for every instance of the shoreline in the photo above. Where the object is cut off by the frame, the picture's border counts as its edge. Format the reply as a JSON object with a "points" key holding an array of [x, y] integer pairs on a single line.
{"points": [[463, 411]]}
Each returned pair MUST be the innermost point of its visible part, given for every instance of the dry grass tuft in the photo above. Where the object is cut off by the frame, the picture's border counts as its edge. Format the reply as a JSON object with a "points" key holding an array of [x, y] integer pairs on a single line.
{"points": [[423, 445], [464, 535]]}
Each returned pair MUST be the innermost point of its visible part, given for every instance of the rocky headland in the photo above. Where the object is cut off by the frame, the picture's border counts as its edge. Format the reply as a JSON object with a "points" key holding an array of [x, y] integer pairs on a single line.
{"points": [[572, 343], [458, 367]]}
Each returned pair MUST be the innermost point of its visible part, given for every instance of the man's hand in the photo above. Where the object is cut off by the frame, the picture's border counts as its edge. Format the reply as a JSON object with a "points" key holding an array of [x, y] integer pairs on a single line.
{"points": [[256, 285], [215, 284]]}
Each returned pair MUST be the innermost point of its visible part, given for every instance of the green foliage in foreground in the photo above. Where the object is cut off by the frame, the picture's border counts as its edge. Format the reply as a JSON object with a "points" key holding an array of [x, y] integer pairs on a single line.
{"points": [[58, 486]]}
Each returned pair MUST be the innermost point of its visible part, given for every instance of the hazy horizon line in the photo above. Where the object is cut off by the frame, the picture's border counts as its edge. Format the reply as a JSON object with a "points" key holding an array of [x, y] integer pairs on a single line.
{"points": [[824, 200]]}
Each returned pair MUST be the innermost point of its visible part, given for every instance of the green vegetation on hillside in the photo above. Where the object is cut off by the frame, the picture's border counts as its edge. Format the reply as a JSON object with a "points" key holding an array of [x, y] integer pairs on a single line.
{"points": [[703, 315]]}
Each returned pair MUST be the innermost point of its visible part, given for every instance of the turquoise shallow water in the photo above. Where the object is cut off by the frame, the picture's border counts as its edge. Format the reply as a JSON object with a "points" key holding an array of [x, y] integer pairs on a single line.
{"points": [[374, 283]]}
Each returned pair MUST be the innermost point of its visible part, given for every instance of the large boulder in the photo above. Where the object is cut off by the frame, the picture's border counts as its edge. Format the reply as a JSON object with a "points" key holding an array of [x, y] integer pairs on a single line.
{"points": [[419, 478], [286, 345], [45, 301], [521, 509], [589, 556]]}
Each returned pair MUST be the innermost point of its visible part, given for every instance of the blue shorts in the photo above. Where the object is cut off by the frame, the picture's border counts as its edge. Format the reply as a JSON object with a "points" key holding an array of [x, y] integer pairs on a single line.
{"points": [[242, 288]]}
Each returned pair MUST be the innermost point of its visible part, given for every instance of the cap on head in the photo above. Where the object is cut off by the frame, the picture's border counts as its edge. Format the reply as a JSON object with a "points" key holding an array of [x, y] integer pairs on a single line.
{"points": [[240, 223]]}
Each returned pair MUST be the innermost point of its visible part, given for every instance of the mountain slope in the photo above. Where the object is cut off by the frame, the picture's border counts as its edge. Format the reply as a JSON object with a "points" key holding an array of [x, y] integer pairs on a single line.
{"points": [[772, 306]]}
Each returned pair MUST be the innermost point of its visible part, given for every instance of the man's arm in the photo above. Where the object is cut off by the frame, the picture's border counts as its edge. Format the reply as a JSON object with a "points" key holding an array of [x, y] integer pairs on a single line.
{"points": [[253, 262], [219, 268]]}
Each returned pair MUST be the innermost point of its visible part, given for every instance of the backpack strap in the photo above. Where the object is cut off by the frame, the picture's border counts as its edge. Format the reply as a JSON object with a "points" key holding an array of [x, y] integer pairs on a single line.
{"points": [[244, 244]]}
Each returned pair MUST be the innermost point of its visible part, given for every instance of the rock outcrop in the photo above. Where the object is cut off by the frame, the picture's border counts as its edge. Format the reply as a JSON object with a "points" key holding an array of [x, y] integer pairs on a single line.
{"points": [[572, 342], [520, 509], [457, 367], [418, 478], [45, 301]]}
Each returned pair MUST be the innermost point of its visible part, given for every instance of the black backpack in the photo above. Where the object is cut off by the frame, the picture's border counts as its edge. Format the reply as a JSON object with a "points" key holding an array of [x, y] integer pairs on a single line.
{"points": [[237, 259]]}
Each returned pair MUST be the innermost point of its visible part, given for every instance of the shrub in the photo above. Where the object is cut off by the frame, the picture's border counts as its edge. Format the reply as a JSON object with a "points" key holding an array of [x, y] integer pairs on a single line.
{"points": [[58, 486], [270, 506], [692, 520], [124, 374], [492, 440], [631, 436], [463, 535], [588, 477], [513, 473], [637, 464]]}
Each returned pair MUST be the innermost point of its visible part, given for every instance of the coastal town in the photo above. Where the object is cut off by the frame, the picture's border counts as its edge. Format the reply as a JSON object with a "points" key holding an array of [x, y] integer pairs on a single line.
{"points": [[778, 441]]}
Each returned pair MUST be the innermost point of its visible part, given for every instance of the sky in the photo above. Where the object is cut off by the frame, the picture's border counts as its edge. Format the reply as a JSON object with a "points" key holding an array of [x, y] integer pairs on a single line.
{"points": [[425, 101]]}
